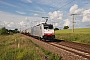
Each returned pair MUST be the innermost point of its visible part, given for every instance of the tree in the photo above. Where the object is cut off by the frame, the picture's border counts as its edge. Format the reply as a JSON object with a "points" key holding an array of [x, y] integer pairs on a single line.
{"points": [[3, 31], [56, 29], [65, 27], [13, 31], [16, 30]]}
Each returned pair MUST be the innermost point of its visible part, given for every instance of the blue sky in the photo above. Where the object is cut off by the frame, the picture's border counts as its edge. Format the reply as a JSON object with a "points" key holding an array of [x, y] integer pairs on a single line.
{"points": [[27, 13]]}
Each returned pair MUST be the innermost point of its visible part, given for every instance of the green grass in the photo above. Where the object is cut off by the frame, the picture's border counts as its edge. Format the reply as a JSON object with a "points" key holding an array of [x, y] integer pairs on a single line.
{"points": [[20, 47], [48, 54], [80, 35]]}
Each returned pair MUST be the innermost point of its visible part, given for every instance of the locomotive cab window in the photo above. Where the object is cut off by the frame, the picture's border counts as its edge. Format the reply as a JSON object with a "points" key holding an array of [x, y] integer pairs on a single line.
{"points": [[47, 26]]}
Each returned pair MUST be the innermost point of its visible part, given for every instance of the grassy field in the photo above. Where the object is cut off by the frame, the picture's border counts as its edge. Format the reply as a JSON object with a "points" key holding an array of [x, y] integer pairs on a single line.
{"points": [[80, 35], [20, 47]]}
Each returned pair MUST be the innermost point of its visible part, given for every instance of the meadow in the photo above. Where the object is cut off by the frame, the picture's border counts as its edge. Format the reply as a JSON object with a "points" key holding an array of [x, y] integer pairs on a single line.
{"points": [[80, 35], [20, 47]]}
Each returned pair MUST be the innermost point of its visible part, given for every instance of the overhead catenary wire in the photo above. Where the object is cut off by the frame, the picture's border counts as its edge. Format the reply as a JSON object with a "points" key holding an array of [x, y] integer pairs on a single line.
{"points": [[65, 5], [86, 3]]}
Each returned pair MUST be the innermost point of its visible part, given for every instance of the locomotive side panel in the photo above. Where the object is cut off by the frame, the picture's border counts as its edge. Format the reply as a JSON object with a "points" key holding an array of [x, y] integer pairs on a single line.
{"points": [[32, 31], [37, 31]]}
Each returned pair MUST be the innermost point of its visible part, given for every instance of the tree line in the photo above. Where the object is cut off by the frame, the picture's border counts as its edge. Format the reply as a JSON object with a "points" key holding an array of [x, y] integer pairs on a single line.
{"points": [[4, 31]]}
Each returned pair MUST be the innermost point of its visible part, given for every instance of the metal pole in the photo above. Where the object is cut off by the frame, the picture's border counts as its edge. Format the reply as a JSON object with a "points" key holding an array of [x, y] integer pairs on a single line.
{"points": [[72, 22]]}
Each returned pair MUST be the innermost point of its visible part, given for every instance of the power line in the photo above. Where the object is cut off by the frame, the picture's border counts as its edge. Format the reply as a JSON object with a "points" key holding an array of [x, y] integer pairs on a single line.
{"points": [[66, 4]]}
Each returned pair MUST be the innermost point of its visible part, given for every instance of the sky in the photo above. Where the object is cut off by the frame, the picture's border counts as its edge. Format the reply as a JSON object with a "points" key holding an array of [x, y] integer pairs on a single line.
{"points": [[24, 14]]}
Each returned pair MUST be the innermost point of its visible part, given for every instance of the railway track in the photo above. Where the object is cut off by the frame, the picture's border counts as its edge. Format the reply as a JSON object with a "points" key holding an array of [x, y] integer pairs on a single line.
{"points": [[81, 50], [78, 51], [68, 50]]}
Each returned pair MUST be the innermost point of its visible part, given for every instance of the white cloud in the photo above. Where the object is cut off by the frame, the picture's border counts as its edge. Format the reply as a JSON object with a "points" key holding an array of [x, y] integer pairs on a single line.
{"points": [[75, 10], [10, 24], [21, 23], [86, 16], [2, 2], [36, 15], [37, 11], [5, 22], [56, 24], [85, 13], [66, 22], [7, 18], [20, 12], [56, 15], [56, 18], [27, 19], [27, 1]]}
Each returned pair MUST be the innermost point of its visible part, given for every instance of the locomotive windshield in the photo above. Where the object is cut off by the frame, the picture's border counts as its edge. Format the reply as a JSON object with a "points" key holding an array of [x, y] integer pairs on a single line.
{"points": [[48, 26]]}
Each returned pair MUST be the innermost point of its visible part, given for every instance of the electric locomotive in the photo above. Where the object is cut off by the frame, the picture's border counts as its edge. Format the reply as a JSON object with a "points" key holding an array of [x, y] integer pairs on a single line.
{"points": [[43, 31]]}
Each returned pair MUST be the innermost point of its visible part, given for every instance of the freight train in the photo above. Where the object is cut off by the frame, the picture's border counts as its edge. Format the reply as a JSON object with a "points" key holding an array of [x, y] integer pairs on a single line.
{"points": [[43, 31]]}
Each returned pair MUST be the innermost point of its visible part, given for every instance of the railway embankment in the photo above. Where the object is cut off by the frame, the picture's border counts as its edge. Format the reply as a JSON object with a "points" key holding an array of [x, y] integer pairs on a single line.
{"points": [[67, 53], [20, 47]]}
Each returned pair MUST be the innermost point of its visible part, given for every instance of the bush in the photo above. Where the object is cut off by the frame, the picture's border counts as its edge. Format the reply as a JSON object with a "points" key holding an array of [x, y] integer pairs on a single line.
{"points": [[3, 31], [65, 27], [56, 29]]}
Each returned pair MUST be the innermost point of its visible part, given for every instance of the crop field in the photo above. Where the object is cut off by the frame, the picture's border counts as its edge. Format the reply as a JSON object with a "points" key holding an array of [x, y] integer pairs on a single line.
{"points": [[20, 47], [80, 35]]}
